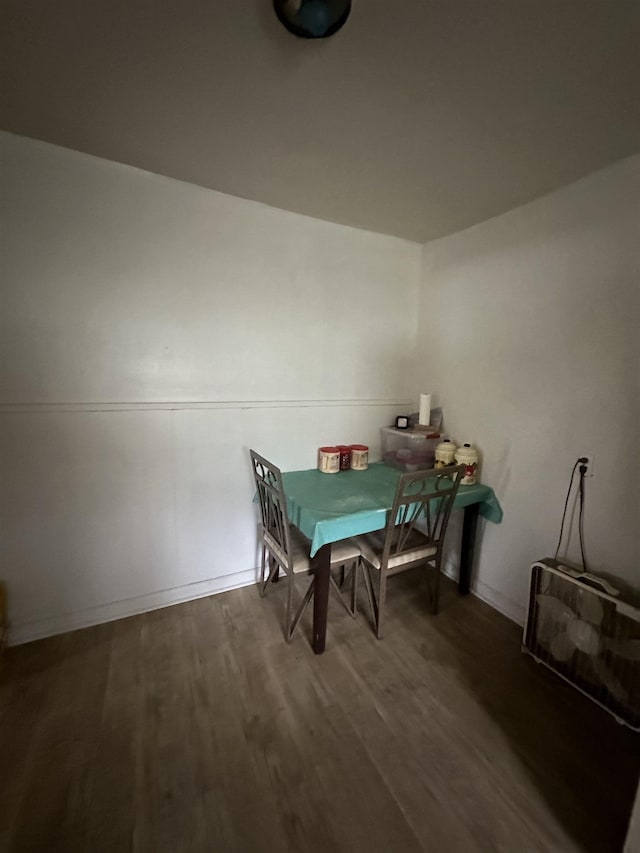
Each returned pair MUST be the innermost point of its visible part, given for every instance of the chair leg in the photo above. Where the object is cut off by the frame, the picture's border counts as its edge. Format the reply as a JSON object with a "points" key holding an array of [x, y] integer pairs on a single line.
{"points": [[382, 596], [436, 589], [290, 582], [275, 571], [355, 571], [275, 576], [368, 583], [338, 590], [291, 626], [265, 570], [267, 560]]}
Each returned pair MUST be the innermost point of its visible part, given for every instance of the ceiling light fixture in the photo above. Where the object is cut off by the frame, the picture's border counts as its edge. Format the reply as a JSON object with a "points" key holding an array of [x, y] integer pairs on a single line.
{"points": [[312, 19]]}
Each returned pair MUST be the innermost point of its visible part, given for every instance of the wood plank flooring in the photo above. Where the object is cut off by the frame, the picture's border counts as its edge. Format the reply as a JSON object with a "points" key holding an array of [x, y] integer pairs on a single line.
{"points": [[196, 728]]}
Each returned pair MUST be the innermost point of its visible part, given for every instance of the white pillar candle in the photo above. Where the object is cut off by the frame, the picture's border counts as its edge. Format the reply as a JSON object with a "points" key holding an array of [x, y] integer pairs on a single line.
{"points": [[425, 410]]}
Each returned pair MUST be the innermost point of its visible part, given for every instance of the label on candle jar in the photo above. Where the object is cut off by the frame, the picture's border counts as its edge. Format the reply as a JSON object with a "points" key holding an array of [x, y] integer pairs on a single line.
{"points": [[359, 457]]}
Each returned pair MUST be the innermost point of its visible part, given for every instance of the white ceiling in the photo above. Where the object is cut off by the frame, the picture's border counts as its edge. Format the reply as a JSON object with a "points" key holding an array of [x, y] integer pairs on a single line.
{"points": [[419, 118]]}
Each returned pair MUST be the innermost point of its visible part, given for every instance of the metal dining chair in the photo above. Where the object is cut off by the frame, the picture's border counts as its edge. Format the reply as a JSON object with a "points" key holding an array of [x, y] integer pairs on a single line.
{"points": [[285, 547], [414, 534]]}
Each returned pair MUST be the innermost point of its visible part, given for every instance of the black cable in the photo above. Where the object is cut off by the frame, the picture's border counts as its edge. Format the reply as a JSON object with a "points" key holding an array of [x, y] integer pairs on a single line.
{"points": [[583, 471], [566, 504]]}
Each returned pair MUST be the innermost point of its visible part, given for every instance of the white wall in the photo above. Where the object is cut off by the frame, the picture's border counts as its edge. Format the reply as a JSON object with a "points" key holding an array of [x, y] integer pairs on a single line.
{"points": [[530, 333], [151, 331]]}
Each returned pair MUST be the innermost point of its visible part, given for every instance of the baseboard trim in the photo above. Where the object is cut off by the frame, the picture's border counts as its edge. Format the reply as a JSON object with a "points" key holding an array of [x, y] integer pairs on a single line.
{"points": [[510, 609], [41, 628]]}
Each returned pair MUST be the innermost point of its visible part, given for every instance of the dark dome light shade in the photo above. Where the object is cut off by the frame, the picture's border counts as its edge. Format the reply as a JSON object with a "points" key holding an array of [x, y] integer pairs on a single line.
{"points": [[312, 19]]}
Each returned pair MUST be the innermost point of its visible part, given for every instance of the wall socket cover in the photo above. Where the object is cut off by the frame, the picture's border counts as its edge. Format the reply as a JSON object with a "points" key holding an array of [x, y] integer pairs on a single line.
{"points": [[589, 458]]}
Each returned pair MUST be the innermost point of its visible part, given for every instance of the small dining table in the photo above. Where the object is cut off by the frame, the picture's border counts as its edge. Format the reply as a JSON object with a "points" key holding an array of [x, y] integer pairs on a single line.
{"points": [[327, 508]]}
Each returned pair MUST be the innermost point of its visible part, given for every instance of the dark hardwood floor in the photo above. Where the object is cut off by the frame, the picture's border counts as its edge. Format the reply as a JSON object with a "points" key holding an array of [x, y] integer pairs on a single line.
{"points": [[196, 728]]}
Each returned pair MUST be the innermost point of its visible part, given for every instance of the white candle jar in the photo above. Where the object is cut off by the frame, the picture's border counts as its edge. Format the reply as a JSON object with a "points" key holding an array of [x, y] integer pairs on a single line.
{"points": [[329, 460], [467, 455], [359, 457], [445, 453]]}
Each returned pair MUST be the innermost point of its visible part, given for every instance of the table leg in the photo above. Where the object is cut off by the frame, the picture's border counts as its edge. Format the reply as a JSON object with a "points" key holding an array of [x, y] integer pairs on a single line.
{"points": [[469, 528], [320, 566]]}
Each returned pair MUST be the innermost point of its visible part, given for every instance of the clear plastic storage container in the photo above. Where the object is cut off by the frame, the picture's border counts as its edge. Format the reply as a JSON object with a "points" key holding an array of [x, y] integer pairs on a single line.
{"points": [[407, 449]]}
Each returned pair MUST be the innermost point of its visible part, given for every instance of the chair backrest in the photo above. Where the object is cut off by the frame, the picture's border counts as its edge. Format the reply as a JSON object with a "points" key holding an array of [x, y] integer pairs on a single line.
{"points": [[421, 507], [273, 505]]}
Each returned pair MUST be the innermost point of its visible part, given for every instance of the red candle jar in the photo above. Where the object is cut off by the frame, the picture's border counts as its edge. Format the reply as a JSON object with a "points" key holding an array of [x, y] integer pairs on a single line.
{"points": [[345, 457]]}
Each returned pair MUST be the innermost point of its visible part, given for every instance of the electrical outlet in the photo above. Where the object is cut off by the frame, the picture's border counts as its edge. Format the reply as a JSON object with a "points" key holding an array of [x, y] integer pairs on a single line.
{"points": [[588, 463]]}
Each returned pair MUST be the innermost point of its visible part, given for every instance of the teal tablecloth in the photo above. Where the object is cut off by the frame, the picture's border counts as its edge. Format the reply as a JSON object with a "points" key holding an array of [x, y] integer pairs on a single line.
{"points": [[330, 507]]}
